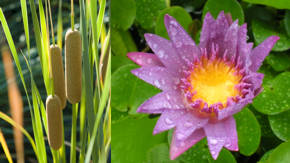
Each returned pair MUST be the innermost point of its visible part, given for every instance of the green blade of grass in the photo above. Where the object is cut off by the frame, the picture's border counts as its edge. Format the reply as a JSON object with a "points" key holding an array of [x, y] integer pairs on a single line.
{"points": [[59, 25], [102, 105], [5, 147], [74, 134], [45, 47], [14, 124], [25, 23], [87, 75]]}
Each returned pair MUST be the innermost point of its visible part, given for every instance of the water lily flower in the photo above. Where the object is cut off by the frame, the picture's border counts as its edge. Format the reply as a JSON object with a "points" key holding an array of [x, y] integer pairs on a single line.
{"points": [[202, 85]]}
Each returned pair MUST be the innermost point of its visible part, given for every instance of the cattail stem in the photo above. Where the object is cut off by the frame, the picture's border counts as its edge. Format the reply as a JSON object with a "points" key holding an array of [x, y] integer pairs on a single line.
{"points": [[72, 15], [73, 133], [51, 24]]}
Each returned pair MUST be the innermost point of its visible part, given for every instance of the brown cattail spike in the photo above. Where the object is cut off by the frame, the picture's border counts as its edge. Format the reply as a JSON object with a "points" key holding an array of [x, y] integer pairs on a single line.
{"points": [[54, 121], [73, 66], [57, 73]]}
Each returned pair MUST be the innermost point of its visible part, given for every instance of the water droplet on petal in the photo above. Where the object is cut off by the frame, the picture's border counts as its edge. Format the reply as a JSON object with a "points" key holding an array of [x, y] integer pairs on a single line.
{"points": [[187, 124], [213, 141], [228, 145], [180, 136], [161, 53], [167, 96], [178, 44], [168, 121], [156, 83]]}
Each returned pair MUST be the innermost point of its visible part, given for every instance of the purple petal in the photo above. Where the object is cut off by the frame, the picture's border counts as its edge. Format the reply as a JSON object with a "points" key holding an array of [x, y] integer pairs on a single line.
{"points": [[168, 100], [232, 109], [144, 59], [157, 76], [187, 124], [207, 30], [213, 32], [165, 52], [181, 40], [231, 40], [168, 120], [177, 147], [261, 51], [222, 133], [244, 48]]}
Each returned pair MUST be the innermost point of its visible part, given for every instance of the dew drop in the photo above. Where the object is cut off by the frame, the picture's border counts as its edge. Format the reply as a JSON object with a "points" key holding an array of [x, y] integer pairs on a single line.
{"points": [[180, 136], [167, 96], [187, 124], [161, 53], [156, 83], [178, 44], [213, 141], [228, 145], [168, 121]]}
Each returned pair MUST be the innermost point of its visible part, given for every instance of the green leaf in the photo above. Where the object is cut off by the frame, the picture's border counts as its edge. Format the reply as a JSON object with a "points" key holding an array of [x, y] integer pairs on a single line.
{"points": [[118, 61], [280, 4], [122, 42], [159, 154], [178, 13], [118, 116], [265, 156], [228, 6], [280, 125], [275, 97], [279, 61], [128, 92], [247, 123], [280, 154], [147, 12], [123, 13], [262, 30], [287, 22], [132, 138]]}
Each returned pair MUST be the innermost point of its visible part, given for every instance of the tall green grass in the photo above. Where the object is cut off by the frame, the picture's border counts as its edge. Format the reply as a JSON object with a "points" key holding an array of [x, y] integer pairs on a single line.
{"points": [[94, 108]]}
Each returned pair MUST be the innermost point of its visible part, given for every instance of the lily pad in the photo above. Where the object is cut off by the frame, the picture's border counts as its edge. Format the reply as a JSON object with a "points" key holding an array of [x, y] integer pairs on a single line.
{"points": [[280, 154], [247, 123], [128, 92], [287, 22], [147, 12], [275, 97], [159, 154], [280, 4], [122, 42], [228, 6], [280, 125], [132, 138], [265, 156], [123, 13], [178, 13], [262, 30], [279, 61]]}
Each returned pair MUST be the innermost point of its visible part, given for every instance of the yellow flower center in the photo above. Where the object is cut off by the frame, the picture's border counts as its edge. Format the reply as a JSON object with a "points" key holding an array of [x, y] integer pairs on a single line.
{"points": [[214, 81]]}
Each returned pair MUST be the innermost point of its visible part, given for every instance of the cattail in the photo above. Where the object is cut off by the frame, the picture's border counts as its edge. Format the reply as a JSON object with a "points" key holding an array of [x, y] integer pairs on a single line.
{"points": [[57, 73], [73, 66], [54, 121]]}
